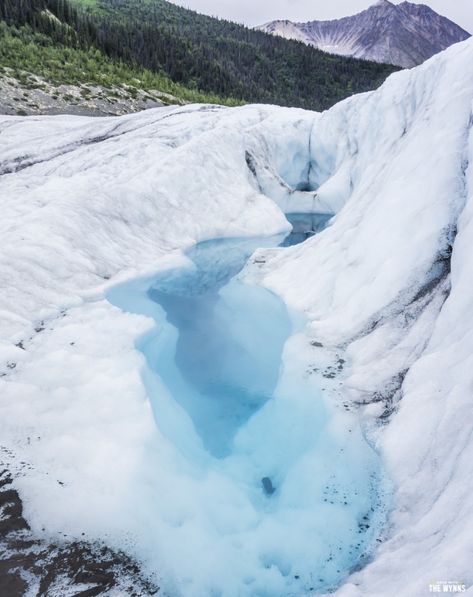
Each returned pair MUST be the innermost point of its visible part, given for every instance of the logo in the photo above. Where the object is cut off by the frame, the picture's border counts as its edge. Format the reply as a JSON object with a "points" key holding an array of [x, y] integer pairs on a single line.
{"points": [[447, 587]]}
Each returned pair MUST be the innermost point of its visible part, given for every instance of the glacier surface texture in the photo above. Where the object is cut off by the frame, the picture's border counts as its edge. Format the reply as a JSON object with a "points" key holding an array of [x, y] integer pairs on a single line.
{"points": [[366, 327]]}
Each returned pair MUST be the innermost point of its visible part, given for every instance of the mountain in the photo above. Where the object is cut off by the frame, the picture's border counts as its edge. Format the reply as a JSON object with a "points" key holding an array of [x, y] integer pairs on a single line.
{"points": [[193, 57], [405, 34], [102, 452]]}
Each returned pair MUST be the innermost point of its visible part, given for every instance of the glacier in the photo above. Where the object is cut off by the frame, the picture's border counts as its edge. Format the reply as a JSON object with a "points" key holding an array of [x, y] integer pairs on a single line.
{"points": [[92, 205], [297, 496]]}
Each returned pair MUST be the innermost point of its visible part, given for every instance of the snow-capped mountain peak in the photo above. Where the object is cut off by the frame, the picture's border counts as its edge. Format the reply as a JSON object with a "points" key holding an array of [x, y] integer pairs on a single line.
{"points": [[405, 34]]}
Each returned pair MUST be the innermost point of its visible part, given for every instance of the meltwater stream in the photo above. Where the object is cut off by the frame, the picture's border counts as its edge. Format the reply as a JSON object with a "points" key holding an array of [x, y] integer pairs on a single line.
{"points": [[292, 489]]}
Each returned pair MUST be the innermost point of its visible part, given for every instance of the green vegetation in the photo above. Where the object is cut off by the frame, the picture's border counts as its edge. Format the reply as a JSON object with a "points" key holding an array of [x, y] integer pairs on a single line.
{"points": [[226, 58], [23, 51], [152, 44]]}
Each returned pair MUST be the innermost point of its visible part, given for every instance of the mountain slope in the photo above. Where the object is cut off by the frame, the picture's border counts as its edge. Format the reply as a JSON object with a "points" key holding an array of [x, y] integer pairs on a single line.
{"points": [[47, 66], [224, 58], [207, 59], [404, 34]]}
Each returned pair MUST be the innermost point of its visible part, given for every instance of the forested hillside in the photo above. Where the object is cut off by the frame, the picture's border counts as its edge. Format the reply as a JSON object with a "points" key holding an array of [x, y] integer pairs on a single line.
{"points": [[38, 51], [200, 53]]}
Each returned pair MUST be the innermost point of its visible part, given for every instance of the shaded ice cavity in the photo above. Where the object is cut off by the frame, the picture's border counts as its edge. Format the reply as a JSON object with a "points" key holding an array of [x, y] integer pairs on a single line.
{"points": [[292, 490], [304, 226]]}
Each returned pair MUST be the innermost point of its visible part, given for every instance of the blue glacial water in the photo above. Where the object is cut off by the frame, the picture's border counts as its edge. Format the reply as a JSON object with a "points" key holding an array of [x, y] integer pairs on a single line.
{"points": [[304, 469], [230, 340], [304, 226]]}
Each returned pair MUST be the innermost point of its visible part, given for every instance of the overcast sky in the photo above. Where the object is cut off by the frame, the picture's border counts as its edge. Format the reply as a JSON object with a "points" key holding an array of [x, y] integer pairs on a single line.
{"points": [[257, 12]]}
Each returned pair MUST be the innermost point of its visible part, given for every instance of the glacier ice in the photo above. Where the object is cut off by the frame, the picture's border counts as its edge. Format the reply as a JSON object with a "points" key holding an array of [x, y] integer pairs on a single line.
{"points": [[252, 432], [91, 203]]}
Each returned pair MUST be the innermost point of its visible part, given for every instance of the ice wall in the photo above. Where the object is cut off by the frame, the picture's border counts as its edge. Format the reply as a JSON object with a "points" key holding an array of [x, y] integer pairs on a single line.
{"points": [[386, 283]]}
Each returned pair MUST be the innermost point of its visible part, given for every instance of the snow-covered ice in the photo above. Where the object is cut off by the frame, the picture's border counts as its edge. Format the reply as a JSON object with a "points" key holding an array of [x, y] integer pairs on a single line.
{"points": [[91, 203]]}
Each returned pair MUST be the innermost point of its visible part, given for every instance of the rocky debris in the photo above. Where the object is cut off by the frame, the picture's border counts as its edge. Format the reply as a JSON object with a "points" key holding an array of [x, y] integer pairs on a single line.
{"points": [[76, 568], [30, 94], [268, 486]]}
